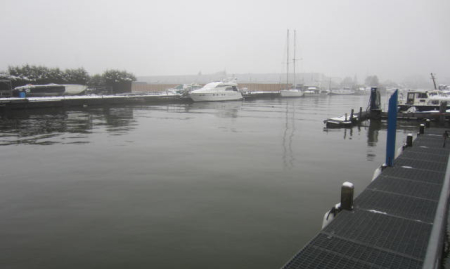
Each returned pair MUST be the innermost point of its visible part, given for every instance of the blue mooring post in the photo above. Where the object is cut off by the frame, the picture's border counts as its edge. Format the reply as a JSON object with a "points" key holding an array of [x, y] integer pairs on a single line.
{"points": [[392, 129]]}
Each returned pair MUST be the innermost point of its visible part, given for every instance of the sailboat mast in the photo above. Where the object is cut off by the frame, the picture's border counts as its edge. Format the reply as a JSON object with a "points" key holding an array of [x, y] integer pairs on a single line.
{"points": [[434, 81], [287, 61], [293, 60]]}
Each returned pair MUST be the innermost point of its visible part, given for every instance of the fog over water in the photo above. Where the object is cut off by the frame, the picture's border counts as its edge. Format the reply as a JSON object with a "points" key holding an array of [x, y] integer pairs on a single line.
{"points": [[391, 39]]}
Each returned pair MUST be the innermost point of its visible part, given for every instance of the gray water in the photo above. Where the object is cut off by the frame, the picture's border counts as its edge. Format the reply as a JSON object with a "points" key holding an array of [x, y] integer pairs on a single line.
{"points": [[202, 185]]}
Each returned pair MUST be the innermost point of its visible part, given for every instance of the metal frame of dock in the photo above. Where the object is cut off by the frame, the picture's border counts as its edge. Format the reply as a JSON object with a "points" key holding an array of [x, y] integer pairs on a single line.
{"points": [[398, 221]]}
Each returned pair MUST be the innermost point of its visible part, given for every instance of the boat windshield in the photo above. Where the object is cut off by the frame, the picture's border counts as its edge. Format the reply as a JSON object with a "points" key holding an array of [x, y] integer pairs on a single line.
{"points": [[422, 95]]}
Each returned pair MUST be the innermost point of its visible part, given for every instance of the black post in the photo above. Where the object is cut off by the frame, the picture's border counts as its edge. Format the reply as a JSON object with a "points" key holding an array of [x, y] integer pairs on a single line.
{"points": [[360, 114], [427, 123], [443, 107], [422, 129], [442, 111], [347, 196], [409, 140]]}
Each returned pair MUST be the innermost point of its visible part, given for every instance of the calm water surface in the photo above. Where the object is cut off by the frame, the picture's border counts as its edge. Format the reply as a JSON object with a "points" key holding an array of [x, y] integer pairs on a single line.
{"points": [[203, 185]]}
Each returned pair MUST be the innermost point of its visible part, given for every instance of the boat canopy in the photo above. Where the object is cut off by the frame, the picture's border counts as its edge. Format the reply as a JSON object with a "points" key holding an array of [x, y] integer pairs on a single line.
{"points": [[31, 86], [213, 85]]}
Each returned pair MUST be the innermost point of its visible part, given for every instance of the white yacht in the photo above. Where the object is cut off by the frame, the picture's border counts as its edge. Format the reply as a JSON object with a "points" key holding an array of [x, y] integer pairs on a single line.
{"points": [[314, 91], [217, 91]]}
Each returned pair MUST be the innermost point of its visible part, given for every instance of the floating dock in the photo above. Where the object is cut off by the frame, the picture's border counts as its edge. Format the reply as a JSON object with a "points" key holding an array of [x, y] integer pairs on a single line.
{"points": [[420, 116], [84, 100], [398, 221]]}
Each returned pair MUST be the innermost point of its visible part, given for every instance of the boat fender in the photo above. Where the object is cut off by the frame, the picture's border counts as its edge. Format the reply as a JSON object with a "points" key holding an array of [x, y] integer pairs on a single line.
{"points": [[331, 214], [378, 171], [399, 151]]}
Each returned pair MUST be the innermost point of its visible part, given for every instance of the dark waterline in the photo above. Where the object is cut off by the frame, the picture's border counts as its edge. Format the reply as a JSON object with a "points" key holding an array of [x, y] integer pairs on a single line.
{"points": [[203, 185]]}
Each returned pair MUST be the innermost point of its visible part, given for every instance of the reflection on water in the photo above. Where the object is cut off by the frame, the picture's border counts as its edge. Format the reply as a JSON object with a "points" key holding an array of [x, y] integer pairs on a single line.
{"points": [[372, 138], [219, 109], [288, 134], [373, 129], [50, 126], [372, 132]]}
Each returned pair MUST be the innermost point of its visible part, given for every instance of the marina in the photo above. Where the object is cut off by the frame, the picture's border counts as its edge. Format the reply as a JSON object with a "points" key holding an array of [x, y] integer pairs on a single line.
{"points": [[293, 135]]}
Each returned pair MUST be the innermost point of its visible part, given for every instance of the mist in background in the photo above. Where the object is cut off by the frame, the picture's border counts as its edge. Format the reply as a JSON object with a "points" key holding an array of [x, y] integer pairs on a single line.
{"points": [[395, 40]]}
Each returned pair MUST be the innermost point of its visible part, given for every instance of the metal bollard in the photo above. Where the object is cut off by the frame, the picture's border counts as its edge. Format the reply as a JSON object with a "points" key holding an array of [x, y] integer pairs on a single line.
{"points": [[422, 129], [409, 140], [427, 123], [347, 196]]}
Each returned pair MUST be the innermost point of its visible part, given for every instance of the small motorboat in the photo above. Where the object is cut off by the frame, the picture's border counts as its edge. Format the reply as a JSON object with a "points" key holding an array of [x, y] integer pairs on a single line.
{"points": [[339, 122]]}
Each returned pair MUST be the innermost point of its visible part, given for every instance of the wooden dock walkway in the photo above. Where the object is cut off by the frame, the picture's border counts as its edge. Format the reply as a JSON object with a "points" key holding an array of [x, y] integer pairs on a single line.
{"points": [[398, 221]]}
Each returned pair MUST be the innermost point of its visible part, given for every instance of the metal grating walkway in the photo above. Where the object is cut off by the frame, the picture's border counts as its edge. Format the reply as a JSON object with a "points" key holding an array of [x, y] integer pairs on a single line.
{"points": [[393, 218]]}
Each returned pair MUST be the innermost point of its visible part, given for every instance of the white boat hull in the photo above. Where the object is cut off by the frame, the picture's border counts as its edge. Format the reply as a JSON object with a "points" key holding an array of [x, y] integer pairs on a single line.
{"points": [[291, 93], [342, 121], [216, 96], [311, 93]]}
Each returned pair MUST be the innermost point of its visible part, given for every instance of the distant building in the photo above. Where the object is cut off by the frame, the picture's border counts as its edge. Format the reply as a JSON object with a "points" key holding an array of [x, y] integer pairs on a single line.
{"points": [[316, 79]]}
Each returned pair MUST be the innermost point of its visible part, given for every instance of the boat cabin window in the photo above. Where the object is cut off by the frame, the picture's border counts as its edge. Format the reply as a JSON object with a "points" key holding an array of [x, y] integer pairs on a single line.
{"points": [[232, 88], [410, 98], [422, 95]]}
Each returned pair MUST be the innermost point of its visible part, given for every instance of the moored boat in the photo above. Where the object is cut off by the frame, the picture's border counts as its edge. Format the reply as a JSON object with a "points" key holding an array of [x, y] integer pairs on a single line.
{"points": [[291, 93], [183, 89], [217, 91], [339, 122], [314, 91], [423, 100], [49, 90]]}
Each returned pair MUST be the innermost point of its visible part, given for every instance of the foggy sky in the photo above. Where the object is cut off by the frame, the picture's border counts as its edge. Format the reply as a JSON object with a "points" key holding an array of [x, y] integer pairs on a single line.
{"points": [[392, 39]]}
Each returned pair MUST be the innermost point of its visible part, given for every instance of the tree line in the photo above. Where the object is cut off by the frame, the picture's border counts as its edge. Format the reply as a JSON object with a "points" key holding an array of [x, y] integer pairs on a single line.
{"points": [[32, 74]]}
